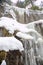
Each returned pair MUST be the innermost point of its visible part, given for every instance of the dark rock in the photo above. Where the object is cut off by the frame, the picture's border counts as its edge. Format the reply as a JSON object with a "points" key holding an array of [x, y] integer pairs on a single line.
{"points": [[13, 58]]}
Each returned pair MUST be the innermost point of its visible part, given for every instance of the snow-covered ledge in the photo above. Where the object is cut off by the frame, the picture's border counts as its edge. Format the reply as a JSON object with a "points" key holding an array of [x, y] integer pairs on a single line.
{"points": [[10, 43], [24, 36], [11, 25]]}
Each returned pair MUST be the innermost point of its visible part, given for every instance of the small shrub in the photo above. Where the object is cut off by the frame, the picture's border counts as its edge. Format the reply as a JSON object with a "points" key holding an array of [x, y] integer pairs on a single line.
{"points": [[36, 8]]}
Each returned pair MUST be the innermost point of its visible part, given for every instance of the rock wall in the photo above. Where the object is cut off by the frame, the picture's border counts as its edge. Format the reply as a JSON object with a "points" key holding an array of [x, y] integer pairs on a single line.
{"points": [[13, 58]]}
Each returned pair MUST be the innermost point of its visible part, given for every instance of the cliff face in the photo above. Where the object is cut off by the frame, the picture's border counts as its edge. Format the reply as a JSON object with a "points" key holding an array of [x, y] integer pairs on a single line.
{"points": [[34, 15], [29, 15]]}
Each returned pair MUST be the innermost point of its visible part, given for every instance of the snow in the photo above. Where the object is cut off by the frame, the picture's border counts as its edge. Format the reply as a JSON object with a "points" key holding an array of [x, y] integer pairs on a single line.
{"points": [[10, 43], [11, 25], [24, 36], [13, 14], [32, 28], [32, 24], [14, 25], [38, 2], [33, 32], [3, 62]]}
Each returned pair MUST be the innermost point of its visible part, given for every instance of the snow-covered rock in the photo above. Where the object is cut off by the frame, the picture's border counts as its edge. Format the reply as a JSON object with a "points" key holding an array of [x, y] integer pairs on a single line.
{"points": [[11, 25], [10, 43], [24, 36], [32, 24]]}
